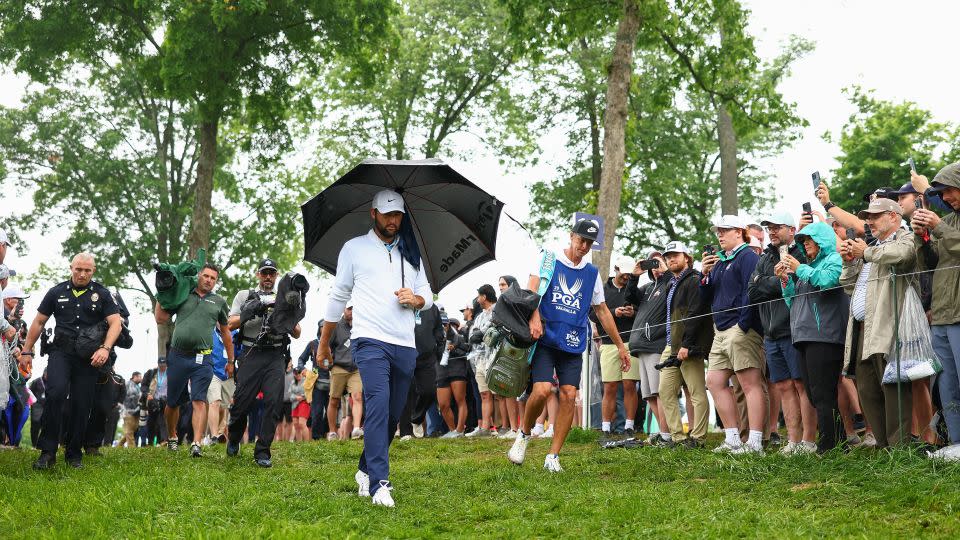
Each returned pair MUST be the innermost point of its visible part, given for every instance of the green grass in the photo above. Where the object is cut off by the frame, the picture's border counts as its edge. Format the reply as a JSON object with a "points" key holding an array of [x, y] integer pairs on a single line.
{"points": [[468, 489]]}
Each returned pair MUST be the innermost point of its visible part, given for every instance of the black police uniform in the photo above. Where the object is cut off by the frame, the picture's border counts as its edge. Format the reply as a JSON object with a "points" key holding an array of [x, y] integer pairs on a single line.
{"points": [[67, 373], [108, 395], [261, 367]]}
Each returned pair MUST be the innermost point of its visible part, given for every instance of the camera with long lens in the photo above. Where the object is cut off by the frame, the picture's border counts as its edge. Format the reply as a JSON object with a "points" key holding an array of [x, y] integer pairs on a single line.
{"points": [[673, 361]]}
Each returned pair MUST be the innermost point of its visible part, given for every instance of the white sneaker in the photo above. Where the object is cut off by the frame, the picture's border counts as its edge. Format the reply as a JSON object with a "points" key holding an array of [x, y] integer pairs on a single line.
{"points": [[452, 435], [418, 431], [332, 436], [406, 438], [788, 449], [383, 497], [511, 434], [357, 433], [726, 448], [869, 441], [363, 483], [548, 434], [519, 449], [552, 463], [747, 449], [479, 432], [537, 431], [806, 447], [206, 441]]}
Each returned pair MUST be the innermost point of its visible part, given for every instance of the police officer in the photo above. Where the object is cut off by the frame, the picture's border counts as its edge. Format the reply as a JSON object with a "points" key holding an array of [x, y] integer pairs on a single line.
{"points": [[77, 305], [262, 363]]}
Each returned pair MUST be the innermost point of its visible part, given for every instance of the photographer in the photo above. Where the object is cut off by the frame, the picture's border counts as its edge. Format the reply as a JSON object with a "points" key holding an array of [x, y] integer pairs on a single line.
{"points": [[689, 335], [79, 305], [262, 363], [190, 355], [648, 336]]}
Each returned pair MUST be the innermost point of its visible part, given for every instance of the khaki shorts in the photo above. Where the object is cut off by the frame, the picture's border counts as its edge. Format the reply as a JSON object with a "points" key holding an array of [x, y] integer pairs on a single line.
{"points": [[342, 380], [221, 391], [735, 350], [481, 378], [610, 365]]}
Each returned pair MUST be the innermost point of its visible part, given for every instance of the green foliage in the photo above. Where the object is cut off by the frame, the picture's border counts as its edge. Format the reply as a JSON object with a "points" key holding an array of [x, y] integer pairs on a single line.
{"points": [[462, 488], [114, 168], [876, 142], [448, 68]]}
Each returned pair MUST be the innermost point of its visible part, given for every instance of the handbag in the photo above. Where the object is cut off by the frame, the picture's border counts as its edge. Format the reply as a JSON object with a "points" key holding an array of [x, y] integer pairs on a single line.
{"points": [[914, 346]]}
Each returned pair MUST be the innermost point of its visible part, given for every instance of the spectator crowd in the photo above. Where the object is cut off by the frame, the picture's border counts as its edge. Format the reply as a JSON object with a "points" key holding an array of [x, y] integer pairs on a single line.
{"points": [[790, 328]]}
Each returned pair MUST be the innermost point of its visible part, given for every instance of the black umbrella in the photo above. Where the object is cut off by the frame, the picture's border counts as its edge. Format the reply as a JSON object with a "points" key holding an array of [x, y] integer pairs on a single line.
{"points": [[454, 221]]}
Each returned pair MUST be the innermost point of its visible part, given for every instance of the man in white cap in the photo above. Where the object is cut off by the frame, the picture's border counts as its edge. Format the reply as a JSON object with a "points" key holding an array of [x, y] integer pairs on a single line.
{"points": [[688, 340], [783, 361], [12, 296], [5, 328], [736, 349], [387, 284]]}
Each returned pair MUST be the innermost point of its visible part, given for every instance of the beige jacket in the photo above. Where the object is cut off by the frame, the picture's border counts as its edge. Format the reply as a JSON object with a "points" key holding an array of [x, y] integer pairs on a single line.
{"points": [[898, 254]]}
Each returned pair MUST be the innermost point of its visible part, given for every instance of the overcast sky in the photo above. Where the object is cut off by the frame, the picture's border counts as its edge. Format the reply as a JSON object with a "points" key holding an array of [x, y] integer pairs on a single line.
{"points": [[902, 50]]}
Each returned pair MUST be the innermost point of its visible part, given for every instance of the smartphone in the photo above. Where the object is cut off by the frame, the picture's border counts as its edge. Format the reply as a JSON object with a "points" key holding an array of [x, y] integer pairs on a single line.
{"points": [[851, 233], [913, 164], [649, 264], [807, 209], [918, 202], [816, 180], [710, 250]]}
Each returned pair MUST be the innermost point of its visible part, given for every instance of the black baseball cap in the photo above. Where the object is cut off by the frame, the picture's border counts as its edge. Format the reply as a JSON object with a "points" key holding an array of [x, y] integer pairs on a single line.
{"points": [[884, 193], [587, 228], [267, 263]]}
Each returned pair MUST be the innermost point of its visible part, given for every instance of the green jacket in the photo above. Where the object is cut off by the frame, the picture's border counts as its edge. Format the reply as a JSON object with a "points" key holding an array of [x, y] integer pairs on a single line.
{"points": [[945, 242], [185, 276]]}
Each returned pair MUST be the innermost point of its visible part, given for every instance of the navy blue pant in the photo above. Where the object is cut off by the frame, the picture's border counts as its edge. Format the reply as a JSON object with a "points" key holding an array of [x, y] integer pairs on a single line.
{"points": [[386, 371]]}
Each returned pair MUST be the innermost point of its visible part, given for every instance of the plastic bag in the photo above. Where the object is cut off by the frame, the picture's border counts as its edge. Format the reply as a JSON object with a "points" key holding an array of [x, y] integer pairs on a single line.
{"points": [[917, 357], [6, 368]]}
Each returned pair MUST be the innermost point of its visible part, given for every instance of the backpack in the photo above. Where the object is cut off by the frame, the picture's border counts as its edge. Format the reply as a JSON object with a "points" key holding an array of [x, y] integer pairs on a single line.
{"points": [[509, 371]]}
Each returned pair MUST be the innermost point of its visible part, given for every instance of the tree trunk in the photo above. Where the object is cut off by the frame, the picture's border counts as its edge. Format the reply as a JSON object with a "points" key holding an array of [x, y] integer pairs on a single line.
{"points": [[206, 166], [727, 139], [614, 130]]}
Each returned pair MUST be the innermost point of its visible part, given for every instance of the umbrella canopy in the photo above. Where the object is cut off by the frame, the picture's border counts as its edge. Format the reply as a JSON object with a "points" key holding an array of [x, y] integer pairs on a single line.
{"points": [[454, 221]]}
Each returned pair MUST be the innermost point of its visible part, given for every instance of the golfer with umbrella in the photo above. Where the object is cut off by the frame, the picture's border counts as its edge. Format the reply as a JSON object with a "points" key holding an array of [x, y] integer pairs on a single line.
{"points": [[430, 225], [387, 291]]}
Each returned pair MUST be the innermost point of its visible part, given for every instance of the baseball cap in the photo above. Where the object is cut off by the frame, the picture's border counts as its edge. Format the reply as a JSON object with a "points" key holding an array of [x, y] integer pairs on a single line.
{"points": [[444, 319], [676, 247], [455, 322], [754, 243], [625, 264], [161, 360], [469, 306], [267, 263], [387, 201], [905, 189], [587, 228], [881, 193], [728, 222], [6, 271], [780, 218], [14, 291], [4, 239], [880, 206]]}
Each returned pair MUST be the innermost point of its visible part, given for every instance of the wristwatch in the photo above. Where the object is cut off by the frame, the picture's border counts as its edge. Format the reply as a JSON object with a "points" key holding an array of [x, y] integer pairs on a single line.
{"points": [[828, 206]]}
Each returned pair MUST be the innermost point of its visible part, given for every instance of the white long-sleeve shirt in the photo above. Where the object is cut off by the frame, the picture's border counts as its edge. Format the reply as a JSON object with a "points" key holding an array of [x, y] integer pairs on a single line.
{"points": [[369, 273]]}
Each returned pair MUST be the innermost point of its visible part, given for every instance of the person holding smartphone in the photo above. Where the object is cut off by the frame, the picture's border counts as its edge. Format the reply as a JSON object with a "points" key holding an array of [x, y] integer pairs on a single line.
{"points": [[737, 344]]}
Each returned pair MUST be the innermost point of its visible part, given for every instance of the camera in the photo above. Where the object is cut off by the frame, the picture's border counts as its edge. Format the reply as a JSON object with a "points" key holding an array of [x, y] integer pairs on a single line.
{"points": [[710, 249], [649, 264], [673, 361]]}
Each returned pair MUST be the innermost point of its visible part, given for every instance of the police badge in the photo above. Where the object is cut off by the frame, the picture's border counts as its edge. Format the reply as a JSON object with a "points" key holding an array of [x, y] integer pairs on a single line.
{"points": [[94, 297]]}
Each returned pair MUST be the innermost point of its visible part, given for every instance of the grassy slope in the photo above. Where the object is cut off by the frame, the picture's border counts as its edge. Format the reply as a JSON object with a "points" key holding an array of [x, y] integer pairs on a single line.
{"points": [[467, 488]]}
